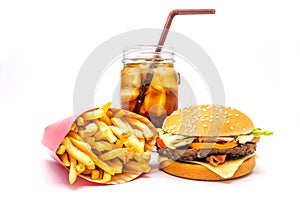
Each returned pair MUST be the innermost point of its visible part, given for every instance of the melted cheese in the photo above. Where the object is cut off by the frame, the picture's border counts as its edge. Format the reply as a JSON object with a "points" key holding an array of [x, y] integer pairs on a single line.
{"points": [[225, 170]]}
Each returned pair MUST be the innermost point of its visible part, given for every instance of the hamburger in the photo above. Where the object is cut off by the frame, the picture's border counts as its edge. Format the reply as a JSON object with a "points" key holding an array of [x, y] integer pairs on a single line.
{"points": [[208, 142]]}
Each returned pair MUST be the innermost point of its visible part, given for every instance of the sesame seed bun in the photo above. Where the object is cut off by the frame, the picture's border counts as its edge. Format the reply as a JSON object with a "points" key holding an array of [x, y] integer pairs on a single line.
{"points": [[199, 172], [208, 120]]}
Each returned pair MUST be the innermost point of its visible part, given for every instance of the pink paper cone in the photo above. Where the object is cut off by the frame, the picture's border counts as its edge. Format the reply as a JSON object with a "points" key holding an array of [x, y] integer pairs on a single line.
{"points": [[55, 133]]}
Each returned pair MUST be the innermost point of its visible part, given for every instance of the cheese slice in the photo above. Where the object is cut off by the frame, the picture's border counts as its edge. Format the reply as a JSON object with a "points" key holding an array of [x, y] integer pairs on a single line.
{"points": [[225, 170]]}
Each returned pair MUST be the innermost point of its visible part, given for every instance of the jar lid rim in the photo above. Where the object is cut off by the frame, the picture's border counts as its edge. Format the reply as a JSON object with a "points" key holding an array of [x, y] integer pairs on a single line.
{"points": [[149, 47]]}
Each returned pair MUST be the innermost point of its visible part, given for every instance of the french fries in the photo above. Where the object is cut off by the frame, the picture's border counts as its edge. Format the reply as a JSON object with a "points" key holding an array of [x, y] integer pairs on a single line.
{"points": [[76, 153], [105, 142]]}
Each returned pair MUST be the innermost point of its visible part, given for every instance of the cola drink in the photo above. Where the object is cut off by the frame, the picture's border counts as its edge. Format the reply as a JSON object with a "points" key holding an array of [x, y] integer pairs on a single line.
{"points": [[149, 83]]}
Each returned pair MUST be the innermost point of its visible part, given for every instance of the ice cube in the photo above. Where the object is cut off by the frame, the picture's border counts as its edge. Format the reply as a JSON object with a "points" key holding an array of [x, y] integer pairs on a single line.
{"points": [[128, 94], [131, 78], [166, 77]]}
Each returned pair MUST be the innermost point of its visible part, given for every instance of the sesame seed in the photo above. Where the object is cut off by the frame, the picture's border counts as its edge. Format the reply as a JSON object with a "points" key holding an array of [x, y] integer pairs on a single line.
{"points": [[194, 112], [203, 119], [176, 112], [204, 125], [236, 114], [230, 114], [203, 109], [231, 127], [244, 129], [227, 121]]}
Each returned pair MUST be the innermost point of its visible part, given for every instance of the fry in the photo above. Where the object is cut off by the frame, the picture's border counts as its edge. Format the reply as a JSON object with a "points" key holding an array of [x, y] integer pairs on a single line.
{"points": [[99, 136], [91, 128], [80, 145], [106, 177], [89, 140], [87, 171], [72, 172], [64, 159], [116, 164], [61, 149], [134, 144], [144, 128], [106, 120], [74, 135], [107, 132], [119, 144], [118, 132], [106, 106], [80, 167], [120, 114], [132, 166], [91, 167], [113, 154], [89, 131], [109, 113], [142, 157], [76, 153], [142, 119], [80, 121], [102, 146], [95, 114], [138, 133], [141, 145], [126, 158], [101, 173], [74, 127], [95, 174], [124, 126]]}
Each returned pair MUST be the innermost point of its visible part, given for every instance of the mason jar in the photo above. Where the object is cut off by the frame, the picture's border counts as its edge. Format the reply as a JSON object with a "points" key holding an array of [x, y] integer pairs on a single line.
{"points": [[149, 82]]}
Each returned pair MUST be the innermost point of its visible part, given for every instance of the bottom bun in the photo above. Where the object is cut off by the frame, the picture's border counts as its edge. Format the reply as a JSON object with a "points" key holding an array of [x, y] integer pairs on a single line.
{"points": [[199, 172]]}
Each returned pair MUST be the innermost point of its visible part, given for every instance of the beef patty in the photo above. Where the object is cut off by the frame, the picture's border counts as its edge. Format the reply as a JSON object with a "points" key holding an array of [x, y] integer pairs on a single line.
{"points": [[202, 154]]}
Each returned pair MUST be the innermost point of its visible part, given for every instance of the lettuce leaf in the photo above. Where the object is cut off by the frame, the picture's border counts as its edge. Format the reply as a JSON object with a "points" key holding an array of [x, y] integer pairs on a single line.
{"points": [[259, 132]]}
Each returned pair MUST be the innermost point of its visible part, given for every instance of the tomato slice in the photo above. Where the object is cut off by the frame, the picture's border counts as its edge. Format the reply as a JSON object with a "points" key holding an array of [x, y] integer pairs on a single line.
{"points": [[255, 139], [160, 143]]}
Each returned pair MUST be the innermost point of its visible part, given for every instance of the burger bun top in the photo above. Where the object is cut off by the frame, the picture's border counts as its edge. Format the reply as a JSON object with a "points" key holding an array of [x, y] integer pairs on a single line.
{"points": [[208, 120]]}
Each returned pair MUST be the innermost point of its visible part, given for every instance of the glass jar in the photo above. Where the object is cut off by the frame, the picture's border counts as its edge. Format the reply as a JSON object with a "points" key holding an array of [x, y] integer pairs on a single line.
{"points": [[149, 83]]}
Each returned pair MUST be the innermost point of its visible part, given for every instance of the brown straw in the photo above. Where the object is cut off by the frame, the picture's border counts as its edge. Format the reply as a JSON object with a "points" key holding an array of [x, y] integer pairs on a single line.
{"points": [[172, 14], [149, 75]]}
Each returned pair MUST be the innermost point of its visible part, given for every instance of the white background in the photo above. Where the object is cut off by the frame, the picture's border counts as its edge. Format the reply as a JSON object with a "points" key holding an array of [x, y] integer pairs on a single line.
{"points": [[254, 44]]}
